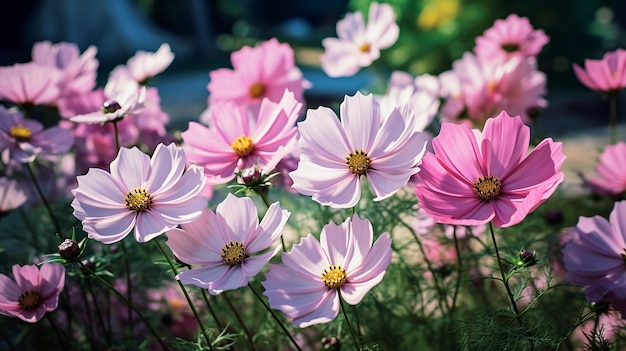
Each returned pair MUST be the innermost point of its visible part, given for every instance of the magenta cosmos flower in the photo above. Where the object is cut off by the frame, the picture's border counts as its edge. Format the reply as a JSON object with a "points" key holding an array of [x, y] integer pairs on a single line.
{"points": [[145, 65], [594, 256], [26, 139], [230, 245], [473, 178], [261, 72], [611, 179], [151, 195], [34, 291], [510, 37], [307, 285], [29, 84], [239, 139], [606, 75], [336, 154], [359, 45]]}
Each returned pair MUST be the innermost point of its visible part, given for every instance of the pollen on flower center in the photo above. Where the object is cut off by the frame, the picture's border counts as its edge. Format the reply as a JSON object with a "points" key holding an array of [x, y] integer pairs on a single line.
{"points": [[487, 188], [234, 253], [358, 162], [29, 300], [334, 277], [365, 47], [138, 199], [20, 133], [510, 47], [257, 90], [243, 146]]}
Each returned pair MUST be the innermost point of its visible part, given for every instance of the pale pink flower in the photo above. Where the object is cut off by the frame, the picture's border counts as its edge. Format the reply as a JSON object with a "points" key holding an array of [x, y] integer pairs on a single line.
{"points": [[26, 139], [33, 292], [336, 154], [308, 283], [611, 179], [149, 195], [607, 74], [510, 37], [258, 72], [230, 245], [425, 224], [123, 97], [358, 45], [240, 139], [473, 178], [13, 194], [29, 84], [145, 65]]}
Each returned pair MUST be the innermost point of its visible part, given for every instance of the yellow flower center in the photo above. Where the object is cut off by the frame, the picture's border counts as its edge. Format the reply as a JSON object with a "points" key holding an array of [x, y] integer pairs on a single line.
{"points": [[334, 277], [257, 90], [20, 133], [365, 47], [234, 253], [243, 146], [358, 162], [29, 300], [138, 199], [487, 188]]}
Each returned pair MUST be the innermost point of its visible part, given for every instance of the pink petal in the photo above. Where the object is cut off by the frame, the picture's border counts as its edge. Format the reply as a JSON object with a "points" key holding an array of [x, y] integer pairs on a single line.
{"points": [[240, 215], [360, 118]]}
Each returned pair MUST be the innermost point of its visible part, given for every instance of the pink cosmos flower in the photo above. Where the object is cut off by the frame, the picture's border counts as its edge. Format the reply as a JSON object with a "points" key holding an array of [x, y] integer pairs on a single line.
{"points": [[149, 195], [261, 72], [594, 256], [145, 65], [240, 139], [359, 45], [26, 139], [308, 283], [230, 244], [12, 195], [606, 75], [335, 154], [510, 37], [34, 291], [611, 179], [473, 178], [29, 83], [425, 225], [123, 97]]}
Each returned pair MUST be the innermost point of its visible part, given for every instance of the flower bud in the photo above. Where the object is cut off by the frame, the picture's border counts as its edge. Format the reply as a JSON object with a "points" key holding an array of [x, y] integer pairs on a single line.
{"points": [[69, 249], [111, 106], [251, 175], [526, 258]]}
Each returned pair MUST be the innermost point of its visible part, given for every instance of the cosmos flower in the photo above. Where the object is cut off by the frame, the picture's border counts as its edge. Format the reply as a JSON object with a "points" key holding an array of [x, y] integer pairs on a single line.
{"points": [[359, 45], [145, 65], [473, 178], [33, 292], [606, 75], [337, 154], [230, 244], [611, 179], [12, 195], [308, 283], [149, 195], [29, 84]]}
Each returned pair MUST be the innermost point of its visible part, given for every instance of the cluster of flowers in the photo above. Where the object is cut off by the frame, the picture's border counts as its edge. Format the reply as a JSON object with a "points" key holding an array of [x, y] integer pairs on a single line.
{"points": [[133, 177]]}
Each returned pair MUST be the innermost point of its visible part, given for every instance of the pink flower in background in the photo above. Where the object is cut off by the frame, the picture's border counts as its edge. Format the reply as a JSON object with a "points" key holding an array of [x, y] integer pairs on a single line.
{"points": [[230, 244], [33, 292], [335, 154], [307, 284], [611, 179], [145, 65], [13, 194], [473, 178], [606, 75], [149, 195], [261, 72], [359, 45], [425, 225], [594, 255], [240, 139], [510, 37], [26, 139], [608, 323], [123, 97], [29, 83]]}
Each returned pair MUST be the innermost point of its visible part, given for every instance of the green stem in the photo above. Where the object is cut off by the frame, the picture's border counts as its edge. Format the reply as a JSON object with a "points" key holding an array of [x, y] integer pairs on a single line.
{"points": [[123, 298], [211, 310], [241, 322], [117, 137], [613, 116], [107, 336], [345, 316], [57, 227], [189, 302], [459, 269], [128, 287], [280, 324], [263, 196]]}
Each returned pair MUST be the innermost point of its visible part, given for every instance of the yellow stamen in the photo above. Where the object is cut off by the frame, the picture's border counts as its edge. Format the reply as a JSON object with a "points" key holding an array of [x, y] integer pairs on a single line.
{"points": [[358, 162], [20, 133], [234, 253], [257, 90], [138, 199], [243, 146], [487, 188], [365, 47], [334, 277]]}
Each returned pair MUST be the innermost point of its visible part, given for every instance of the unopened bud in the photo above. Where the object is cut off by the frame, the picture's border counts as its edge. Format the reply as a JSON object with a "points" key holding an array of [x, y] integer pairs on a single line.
{"points": [[526, 258], [111, 106], [69, 249], [251, 175]]}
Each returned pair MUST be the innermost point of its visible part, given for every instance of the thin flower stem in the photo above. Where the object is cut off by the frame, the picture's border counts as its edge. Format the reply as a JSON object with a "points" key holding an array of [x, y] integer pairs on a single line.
{"points": [[459, 270], [107, 336], [121, 296], [128, 287], [56, 331], [211, 310], [189, 302], [57, 227], [345, 316], [263, 195], [613, 116], [117, 137], [280, 324], [241, 322]]}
